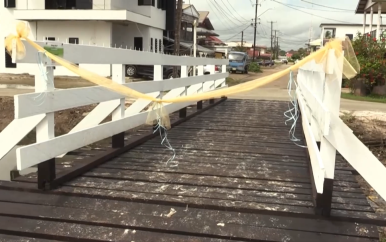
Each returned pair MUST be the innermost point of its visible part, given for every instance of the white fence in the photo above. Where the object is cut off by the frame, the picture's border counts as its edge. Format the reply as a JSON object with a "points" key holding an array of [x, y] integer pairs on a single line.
{"points": [[318, 93], [37, 109]]}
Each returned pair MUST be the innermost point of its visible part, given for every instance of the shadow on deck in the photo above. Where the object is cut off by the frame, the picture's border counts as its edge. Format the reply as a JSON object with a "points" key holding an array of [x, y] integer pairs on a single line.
{"points": [[239, 178]]}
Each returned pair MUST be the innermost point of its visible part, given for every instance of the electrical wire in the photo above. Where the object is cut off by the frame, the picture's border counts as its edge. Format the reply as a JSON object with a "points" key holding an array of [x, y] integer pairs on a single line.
{"points": [[327, 6], [236, 11], [237, 34], [310, 13]]}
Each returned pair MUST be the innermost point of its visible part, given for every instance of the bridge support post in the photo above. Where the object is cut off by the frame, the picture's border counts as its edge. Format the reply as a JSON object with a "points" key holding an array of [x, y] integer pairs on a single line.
{"points": [[323, 201], [118, 76], [199, 105], [183, 112], [46, 174], [45, 130], [211, 101]]}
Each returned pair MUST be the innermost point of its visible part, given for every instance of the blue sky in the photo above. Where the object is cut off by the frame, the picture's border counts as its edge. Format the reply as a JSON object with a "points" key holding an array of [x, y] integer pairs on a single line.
{"points": [[230, 17]]}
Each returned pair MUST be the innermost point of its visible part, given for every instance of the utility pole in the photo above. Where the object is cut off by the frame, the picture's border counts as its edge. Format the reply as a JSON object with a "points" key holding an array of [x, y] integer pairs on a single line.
{"points": [[177, 34], [277, 47], [272, 35], [254, 35], [242, 38]]}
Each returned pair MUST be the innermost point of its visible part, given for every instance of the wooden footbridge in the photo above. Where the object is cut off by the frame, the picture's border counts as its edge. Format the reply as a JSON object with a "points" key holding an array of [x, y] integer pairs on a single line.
{"points": [[236, 174]]}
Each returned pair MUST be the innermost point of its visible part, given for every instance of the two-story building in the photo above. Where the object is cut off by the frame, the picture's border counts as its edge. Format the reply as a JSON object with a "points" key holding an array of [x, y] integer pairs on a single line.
{"points": [[339, 30], [133, 24]]}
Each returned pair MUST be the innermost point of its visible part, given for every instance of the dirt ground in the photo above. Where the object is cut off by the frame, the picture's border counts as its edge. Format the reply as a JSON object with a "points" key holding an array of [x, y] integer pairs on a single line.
{"points": [[61, 82], [370, 127]]}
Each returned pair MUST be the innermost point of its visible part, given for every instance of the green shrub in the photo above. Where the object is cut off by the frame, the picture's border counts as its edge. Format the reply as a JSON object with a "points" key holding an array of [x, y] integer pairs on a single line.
{"points": [[254, 67]]}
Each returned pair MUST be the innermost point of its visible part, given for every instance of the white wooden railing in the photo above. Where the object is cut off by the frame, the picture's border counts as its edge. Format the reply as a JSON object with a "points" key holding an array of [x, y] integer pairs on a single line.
{"points": [[37, 109], [318, 94]]}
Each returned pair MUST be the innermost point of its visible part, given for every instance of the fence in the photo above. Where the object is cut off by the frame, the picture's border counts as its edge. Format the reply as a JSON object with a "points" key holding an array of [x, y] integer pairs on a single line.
{"points": [[37, 109], [318, 93]]}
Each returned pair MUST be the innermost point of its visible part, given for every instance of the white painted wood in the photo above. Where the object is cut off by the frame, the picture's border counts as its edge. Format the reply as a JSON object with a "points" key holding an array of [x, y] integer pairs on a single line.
{"points": [[358, 155], [57, 100], [85, 54], [331, 99], [118, 76], [318, 169], [223, 80], [140, 104], [16, 131], [45, 130], [31, 155], [318, 110]]}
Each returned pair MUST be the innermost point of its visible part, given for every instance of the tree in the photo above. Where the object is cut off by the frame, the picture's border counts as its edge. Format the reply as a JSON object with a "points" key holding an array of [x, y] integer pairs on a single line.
{"points": [[282, 53], [296, 57], [240, 48], [328, 35]]}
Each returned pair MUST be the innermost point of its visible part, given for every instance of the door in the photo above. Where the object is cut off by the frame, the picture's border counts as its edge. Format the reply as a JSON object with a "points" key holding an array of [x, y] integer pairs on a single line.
{"points": [[138, 43]]}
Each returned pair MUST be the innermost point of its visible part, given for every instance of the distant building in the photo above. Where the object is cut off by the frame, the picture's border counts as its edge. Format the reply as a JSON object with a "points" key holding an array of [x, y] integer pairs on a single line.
{"points": [[370, 7]]}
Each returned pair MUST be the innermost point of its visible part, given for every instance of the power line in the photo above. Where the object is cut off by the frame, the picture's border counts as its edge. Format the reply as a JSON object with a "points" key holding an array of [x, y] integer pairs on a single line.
{"points": [[311, 13], [222, 11], [237, 34], [316, 9], [210, 6], [236, 11], [231, 12], [327, 6]]}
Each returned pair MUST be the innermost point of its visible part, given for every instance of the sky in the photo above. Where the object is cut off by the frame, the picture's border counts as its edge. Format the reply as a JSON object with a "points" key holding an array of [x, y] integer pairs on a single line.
{"points": [[230, 17]]}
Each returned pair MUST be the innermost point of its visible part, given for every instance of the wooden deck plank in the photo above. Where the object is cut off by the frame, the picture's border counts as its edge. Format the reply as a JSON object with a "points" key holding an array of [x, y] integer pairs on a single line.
{"points": [[238, 178], [12, 238], [182, 221]]}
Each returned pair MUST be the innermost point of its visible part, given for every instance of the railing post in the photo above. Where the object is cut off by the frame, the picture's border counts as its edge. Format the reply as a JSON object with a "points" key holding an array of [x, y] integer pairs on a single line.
{"points": [[45, 130], [212, 70], [200, 72], [158, 75], [184, 73], [331, 99], [118, 76]]}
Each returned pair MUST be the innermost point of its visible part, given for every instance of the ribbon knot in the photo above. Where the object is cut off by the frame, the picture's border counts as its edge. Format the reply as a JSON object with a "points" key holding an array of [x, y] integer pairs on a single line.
{"points": [[22, 32]]}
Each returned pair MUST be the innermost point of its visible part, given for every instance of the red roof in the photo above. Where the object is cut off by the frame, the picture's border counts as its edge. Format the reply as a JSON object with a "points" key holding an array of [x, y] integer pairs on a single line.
{"points": [[289, 55], [214, 39], [250, 53]]}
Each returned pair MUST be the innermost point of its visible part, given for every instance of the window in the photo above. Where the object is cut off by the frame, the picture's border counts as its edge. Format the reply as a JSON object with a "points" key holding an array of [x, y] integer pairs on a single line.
{"points": [[73, 41], [151, 44], [50, 38], [159, 5], [153, 3], [163, 4], [10, 3], [8, 61], [350, 36], [160, 46], [146, 2], [155, 45]]}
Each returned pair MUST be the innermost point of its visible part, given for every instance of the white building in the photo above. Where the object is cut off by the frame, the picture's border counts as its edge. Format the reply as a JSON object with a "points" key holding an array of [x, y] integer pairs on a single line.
{"points": [[369, 7], [117, 23], [338, 30]]}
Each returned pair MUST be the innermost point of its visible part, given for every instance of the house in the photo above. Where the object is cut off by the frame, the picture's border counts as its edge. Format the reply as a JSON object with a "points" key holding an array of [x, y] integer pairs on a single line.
{"points": [[339, 30], [368, 7], [189, 16], [115, 23]]}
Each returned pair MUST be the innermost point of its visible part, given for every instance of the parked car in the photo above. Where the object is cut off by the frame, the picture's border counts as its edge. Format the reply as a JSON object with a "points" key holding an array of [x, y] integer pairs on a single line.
{"points": [[284, 61], [148, 71], [207, 70], [266, 63]]}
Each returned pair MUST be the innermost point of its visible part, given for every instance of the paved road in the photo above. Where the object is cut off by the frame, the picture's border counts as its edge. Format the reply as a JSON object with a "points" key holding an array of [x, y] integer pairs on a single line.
{"points": [[277, 90]]}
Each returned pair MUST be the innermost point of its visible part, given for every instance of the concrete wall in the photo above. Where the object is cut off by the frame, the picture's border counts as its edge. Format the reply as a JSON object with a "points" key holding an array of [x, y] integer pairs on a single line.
{"points": [[131, 6], [123, 35], [88, 32]]}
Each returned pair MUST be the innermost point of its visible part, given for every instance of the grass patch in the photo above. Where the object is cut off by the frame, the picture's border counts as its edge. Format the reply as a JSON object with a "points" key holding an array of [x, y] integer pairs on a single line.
{"points": [[369, 98], [232, 82]]}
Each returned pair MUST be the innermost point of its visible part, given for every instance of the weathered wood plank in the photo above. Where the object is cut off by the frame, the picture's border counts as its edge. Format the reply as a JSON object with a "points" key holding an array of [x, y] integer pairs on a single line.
{"points": [[194, 191], [233, 223], [12, 238]]}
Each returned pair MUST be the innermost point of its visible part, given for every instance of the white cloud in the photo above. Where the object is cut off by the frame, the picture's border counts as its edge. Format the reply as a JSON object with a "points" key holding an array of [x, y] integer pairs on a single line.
{"points": [[230, 17]]}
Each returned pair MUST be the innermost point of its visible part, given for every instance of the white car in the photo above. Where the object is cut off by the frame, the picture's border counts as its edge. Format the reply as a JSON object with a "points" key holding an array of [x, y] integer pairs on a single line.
{"points": [[207, 70]]}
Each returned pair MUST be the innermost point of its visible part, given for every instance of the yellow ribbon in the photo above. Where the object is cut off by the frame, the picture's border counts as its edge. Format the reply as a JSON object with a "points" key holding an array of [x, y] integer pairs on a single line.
{"points": [[22, 30]]}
